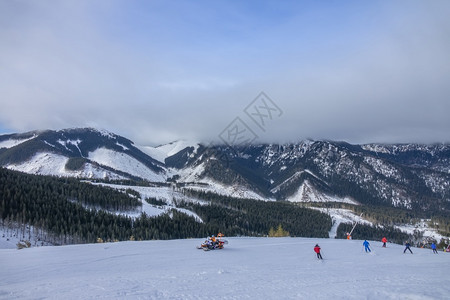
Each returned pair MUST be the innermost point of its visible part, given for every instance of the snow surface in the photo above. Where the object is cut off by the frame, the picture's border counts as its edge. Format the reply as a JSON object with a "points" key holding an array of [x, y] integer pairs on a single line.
{"points": [[307, 193], [247, 268], [46, 163], [292, 178], [423, 228], [161, 152], [166, 194], [190, 174], [125, 163], [236, 191], [10, 237], [194, 174], [341, 215], [14, 142], [76, 143]]}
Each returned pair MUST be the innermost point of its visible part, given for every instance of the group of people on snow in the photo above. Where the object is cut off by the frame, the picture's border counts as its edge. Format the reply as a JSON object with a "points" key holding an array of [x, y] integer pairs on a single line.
{"points": [[213, 243], [217, 243], [366, 246]]}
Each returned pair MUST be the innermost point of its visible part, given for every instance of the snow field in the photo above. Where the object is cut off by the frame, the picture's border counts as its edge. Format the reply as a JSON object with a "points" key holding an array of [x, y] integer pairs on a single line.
{"points": [[46, 163], [307, 193], [248, 268], [160, 153], [124, 162], [166, 194], [14, 142]]}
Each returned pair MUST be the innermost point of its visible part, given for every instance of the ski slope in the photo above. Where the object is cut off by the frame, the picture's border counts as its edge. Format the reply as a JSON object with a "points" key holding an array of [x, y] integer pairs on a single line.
{"points": [[125, 163], [160, 153], [248, 268], [47, 163]]}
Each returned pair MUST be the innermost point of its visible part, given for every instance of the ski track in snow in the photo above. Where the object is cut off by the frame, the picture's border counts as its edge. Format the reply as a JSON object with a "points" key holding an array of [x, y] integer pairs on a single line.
{"points": [[340, 215], [248, 268]]}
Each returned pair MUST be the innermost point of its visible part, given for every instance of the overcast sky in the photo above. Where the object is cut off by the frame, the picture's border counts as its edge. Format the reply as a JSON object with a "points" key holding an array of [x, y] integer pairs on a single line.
{"points": [[157, 71]]}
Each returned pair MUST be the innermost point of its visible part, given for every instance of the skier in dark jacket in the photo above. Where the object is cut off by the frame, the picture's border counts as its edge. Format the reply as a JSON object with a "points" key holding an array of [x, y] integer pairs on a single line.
{"points": [[366, 246], [317, 250], [407, 247]]}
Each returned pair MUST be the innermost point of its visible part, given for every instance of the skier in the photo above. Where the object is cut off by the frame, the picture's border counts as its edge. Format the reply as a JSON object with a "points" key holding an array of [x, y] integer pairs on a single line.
{"points": [[407, 247], [366, 246], [384, 240], [317, 250], [433, 246]]}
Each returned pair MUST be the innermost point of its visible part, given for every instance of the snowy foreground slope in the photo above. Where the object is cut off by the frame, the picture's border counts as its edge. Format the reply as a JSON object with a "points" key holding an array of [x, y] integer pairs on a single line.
{"points": [[249, 268]]}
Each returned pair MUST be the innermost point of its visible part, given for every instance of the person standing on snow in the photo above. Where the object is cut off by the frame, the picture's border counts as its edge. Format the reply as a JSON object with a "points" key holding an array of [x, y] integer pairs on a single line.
{"points": [[366, 246], [407, 245], [384, 240], [317, 250], [433, 246]]}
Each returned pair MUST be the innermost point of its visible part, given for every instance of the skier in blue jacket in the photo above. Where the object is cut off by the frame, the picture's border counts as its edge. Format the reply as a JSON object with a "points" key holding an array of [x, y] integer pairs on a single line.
{"points": [[433, 246], [366, 246]]}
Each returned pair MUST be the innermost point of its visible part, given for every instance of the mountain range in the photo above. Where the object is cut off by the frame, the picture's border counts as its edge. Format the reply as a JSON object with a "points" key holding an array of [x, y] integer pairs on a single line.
{"points": [[411, 176]]}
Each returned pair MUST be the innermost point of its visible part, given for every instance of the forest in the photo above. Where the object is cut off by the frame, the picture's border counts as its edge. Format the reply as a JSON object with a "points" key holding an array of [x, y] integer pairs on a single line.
{"points": [[71, 211], [255, 217]]}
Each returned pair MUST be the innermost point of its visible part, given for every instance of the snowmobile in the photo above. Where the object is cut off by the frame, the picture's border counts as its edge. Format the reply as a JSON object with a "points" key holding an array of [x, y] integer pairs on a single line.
{"points": [[213, 243]]}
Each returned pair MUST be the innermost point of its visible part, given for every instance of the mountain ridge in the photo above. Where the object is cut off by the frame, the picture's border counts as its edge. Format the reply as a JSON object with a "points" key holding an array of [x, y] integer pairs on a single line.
{"points": [[413, 176]]}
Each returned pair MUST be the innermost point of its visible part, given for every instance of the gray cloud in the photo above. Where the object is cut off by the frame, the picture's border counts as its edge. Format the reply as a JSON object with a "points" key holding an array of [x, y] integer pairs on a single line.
{"points": [[376, 75]]}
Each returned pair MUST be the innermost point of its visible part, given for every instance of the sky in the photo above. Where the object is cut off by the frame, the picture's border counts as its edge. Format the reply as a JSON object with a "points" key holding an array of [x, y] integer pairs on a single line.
{"points": [[159, 71]]}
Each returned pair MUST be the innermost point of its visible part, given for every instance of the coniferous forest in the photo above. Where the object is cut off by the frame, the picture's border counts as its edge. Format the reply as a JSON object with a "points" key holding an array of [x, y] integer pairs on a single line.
{"points": [[72, 211], [254, 217]]}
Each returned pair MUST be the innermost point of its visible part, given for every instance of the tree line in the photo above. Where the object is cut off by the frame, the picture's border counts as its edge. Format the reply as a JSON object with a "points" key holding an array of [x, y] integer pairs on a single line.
{"points": [[255, 218], [70, 211], [63, 208], [374, 233]]}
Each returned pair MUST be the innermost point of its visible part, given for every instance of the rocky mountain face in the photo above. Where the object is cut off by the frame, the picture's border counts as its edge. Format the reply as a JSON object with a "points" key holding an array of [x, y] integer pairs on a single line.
{"points": [[410, 176]]}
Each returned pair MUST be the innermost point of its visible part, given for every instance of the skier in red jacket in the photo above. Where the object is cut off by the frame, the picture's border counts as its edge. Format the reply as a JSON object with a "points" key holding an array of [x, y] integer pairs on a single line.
{"points": [[384, 241], [317, 250]]}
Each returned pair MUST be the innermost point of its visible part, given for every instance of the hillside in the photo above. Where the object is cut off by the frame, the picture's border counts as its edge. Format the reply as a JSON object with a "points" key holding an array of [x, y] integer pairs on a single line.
{"points": [[248, 268], [393, 186], [410, 176], [78, 152]]}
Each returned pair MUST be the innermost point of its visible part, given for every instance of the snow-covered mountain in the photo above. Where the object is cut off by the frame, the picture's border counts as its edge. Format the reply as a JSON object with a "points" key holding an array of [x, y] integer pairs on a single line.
{"points": [[161, 152], [414, 177], [410, 176], [247, 268], [82, 152]]}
